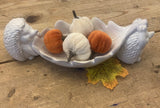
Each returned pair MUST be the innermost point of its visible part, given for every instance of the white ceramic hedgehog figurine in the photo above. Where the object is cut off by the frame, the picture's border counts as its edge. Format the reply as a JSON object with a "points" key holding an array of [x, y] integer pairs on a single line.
{"points": [[131, 50], [18, 38]]}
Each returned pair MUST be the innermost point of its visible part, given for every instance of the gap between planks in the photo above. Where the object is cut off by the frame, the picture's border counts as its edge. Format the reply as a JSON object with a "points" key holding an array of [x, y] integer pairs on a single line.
{"points": [[8, 61]]}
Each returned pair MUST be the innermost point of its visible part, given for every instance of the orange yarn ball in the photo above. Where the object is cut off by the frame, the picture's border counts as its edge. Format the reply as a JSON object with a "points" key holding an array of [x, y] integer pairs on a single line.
{"points": [[100, 41], [53, 41]]}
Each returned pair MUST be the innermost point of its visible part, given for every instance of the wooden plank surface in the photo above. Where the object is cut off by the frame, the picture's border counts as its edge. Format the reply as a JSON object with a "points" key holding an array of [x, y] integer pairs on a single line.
{"points": [[41, 84]]}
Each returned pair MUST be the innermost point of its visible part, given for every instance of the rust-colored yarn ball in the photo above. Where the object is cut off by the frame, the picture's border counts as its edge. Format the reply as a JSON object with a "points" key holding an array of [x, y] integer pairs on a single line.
{"points": [[100, 41], [53, 41]]}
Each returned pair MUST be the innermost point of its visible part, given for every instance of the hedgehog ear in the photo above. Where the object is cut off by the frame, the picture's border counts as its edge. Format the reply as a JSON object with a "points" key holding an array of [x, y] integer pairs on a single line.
{"points": [[22, 27], [151, 34]]}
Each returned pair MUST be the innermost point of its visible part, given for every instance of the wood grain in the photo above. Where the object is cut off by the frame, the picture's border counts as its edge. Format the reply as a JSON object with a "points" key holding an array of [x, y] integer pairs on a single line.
{"points": [[41, 84]]}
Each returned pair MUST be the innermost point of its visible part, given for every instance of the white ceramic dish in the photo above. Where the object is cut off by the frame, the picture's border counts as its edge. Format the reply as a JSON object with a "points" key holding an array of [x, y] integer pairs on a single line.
{"points": [[117, 33]]}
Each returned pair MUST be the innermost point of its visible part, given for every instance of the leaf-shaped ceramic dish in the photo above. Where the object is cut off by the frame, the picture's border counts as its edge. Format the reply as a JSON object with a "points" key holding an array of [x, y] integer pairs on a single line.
{"points": [[117, 33]]}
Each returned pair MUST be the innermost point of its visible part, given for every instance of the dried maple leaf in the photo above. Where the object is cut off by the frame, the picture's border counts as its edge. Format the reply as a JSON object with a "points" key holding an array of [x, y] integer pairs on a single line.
{"points": [[107, 73]]}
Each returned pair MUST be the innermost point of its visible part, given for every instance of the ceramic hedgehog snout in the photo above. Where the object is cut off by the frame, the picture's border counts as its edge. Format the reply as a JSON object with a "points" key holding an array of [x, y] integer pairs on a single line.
{"points": [[127, 42]]}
